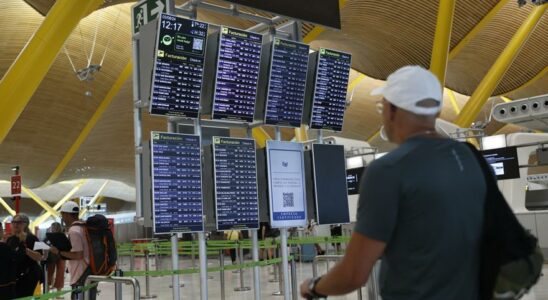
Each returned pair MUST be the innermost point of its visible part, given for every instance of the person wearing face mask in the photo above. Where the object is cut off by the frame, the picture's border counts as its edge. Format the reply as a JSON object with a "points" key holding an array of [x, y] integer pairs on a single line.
{"points": [[28, 271], [420, 206]]}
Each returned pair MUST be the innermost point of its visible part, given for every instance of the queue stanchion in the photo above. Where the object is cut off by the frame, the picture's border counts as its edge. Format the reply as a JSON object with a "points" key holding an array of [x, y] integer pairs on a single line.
{"points": [[242, 287], [280, 291], [294, 290], [222, 272], [275, 269], [132, 258], [118, 285], [147, 278]]}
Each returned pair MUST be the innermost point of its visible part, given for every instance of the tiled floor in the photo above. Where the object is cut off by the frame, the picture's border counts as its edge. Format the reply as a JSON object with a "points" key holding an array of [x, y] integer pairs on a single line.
{"points": [[160, 286]]}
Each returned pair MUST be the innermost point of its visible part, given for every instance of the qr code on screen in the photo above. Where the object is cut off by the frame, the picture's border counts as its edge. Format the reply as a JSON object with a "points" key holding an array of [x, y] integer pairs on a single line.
{"points": [[198, 44], [288, 200]]}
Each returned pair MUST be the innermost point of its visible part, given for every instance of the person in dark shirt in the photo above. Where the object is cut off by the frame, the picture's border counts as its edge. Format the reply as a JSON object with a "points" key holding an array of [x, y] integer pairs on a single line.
{"points": [[420, 206], [7, 269], [28, 272]]}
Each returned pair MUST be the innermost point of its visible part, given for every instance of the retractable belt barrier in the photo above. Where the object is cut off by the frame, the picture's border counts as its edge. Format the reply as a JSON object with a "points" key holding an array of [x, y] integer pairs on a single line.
{"points": [[52, 295]]}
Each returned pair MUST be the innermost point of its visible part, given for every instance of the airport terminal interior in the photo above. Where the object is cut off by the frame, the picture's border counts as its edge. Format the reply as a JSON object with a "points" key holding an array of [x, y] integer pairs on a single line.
{"points": [[225, 140]]}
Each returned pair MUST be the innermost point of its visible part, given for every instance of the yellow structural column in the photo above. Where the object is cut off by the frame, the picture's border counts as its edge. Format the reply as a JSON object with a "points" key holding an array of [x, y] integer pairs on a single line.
{"points": [[31, 66], [496, 73], [442, 39], [260, 136]]}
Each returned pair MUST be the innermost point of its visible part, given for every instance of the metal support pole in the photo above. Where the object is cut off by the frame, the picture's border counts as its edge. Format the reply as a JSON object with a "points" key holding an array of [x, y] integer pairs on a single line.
{"points": [[203, 265], [137, 129], [256, 270], [222, 275], [175, 266], [442, 39], [285, 263], [294, 289], [118, 285], [320, 136], [488, 84], [280, 292], [127, 280], [242, 288], [147, 279], [278, 133]]}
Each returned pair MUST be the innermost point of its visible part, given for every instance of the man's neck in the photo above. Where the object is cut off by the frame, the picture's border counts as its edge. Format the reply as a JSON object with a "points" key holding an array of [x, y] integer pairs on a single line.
{"points": [[418, 131]]}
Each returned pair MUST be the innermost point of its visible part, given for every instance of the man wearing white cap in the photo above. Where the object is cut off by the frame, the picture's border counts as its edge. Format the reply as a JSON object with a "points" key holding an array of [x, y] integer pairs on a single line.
{"points": [[79, 254], [420, 207]]}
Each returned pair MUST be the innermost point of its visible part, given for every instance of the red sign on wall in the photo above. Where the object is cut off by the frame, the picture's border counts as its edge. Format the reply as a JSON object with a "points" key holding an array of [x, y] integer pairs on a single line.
{"points": [[16, 184]]}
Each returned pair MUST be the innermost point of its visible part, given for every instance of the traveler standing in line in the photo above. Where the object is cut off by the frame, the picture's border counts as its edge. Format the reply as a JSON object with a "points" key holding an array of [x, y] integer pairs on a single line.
{"points": [[78, 256], [7, 267], [420, 206], [56, 265], [233, 235], [21, 241]]}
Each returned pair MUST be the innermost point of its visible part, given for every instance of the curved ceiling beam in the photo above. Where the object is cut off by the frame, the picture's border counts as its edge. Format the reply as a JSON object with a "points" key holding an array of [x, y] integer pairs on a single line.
{"points": [[477, 28], [496, 73], [33, 63], [126, 72], [532, 80]]}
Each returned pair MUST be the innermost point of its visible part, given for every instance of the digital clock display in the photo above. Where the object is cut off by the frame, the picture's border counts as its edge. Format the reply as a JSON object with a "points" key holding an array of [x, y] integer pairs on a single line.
{"points": [[178, 67]]}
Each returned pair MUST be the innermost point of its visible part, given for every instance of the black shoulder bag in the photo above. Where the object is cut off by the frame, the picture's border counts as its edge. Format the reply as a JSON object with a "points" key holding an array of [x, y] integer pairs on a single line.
{"points": [[510, 258]]}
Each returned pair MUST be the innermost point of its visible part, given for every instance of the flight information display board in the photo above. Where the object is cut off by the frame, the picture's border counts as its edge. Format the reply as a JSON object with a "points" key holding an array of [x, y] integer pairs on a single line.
{"points": [[287, 83], [237, 76], [329, 100], [178, 67], [176, 183], [236, 196], [286, 184]]}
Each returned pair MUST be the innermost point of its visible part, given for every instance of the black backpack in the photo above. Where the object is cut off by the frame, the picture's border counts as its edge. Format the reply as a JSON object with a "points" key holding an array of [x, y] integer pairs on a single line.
{"points": [[102, 247], [511, 260]]}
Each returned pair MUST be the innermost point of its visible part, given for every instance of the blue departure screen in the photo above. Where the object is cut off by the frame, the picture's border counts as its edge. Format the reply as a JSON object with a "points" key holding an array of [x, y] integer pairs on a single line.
{"points": [[329, 99], [235, 183], [237, 75], [287, 83], [178, 67], [176, 183]]}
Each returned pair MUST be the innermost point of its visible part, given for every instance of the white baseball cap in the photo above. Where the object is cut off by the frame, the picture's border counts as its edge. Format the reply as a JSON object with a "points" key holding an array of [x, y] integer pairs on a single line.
{"points": [[70, 207], [408, 86]]}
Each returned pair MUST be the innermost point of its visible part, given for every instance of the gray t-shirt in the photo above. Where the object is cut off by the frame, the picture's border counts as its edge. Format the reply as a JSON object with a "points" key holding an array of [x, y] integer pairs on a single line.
{"points": [[425, 200]]}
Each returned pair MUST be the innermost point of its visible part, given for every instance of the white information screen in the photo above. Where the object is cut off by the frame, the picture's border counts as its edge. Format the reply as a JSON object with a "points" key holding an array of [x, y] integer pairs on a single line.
{"points": [[286, 184]]}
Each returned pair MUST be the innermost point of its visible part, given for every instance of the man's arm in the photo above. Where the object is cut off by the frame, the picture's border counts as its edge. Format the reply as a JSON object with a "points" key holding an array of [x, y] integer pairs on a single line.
{"points": [[353, 271], [67, 254]]}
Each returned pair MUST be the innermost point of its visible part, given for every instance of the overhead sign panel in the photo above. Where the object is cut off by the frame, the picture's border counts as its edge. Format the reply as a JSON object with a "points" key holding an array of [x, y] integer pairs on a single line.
{"points": [[237, 76], [236, 195], [329, 100], [287, 83], [286, 184], [16, 184], [178, 67], [323, 12], [176, 183]]}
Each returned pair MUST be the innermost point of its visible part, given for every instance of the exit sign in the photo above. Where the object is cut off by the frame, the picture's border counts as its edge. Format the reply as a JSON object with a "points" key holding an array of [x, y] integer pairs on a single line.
{"points": [[146, 11]]}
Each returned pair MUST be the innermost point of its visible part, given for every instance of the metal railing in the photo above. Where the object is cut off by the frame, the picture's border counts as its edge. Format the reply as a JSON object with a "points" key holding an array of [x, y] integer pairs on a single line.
{"points": [[115, 279], [372, 284]]}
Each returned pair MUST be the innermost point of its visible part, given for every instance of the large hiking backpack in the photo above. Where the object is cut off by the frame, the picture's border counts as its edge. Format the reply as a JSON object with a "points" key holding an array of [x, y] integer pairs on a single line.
{"points": [[102, 248]]}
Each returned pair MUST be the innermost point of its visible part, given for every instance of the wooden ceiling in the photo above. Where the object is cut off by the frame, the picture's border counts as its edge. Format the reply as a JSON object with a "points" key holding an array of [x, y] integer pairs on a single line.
{"points": [[381, 35]]}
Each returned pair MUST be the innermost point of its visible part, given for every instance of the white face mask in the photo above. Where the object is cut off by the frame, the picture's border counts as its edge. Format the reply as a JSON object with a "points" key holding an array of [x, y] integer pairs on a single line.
{"points": [[383, 134]]}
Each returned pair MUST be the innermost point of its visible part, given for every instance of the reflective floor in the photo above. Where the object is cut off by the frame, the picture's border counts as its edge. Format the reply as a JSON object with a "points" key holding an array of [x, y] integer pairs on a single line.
{"points": [[161, 286]]}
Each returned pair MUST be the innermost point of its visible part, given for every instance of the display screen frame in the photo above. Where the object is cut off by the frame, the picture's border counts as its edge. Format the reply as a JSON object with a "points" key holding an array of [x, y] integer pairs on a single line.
{"points": [[271, 65], [236, 227], [234, 119], [287, 147], [358, 172], [510, 166], [182, 113], [311, 121], [154, 228]]}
